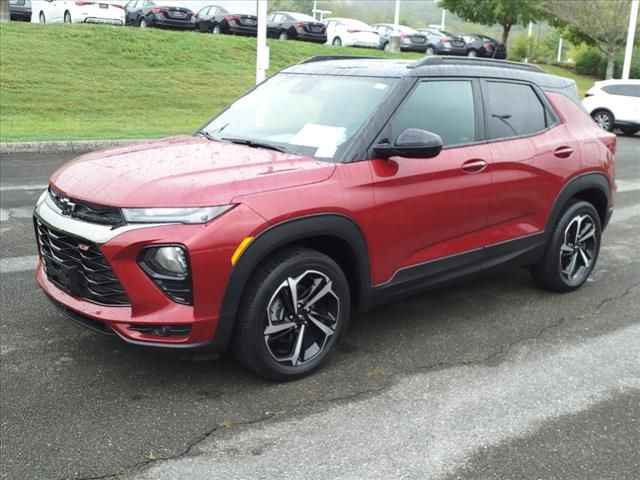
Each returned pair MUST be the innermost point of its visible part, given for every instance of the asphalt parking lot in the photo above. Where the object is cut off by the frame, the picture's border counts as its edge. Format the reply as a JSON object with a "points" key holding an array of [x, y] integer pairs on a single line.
{"points": [[490, 379]]}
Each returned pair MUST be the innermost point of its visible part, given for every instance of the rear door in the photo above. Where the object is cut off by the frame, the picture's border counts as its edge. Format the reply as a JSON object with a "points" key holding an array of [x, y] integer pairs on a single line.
{"points": [[428, 209], [532, 154]]}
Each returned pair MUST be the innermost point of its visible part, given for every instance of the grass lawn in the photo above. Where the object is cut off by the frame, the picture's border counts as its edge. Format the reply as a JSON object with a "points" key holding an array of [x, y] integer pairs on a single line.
{"points": [[73, 82]]}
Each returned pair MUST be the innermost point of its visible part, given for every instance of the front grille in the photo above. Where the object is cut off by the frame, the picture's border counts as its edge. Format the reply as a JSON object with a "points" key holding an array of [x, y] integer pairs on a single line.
{"points": [[87, 212], [78, 267]]}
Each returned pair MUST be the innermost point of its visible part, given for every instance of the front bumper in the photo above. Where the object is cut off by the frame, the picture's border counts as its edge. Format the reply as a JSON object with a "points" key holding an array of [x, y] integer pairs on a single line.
{"points": [[149, 308]]}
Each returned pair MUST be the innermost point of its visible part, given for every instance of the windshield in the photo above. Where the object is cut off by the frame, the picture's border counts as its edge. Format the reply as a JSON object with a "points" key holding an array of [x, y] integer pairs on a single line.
{"points": [[314, 115]]}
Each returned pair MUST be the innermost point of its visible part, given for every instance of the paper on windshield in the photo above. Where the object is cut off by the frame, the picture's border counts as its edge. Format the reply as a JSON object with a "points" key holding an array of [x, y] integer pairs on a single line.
{"points": [[324, 137]]}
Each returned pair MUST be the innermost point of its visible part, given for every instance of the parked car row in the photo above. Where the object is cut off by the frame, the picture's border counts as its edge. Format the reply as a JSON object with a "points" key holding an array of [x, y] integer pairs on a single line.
{"points": [[67, 11], [339, 32]]}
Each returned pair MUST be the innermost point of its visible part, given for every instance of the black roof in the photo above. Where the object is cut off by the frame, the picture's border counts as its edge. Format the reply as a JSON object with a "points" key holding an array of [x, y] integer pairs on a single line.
{"points": [[435, 66]]}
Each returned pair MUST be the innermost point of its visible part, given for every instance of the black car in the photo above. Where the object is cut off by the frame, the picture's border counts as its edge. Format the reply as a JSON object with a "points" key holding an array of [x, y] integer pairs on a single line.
{"points": [[216, 19], [410, 40], [20, 10], [440, 42], [483, 46], [295, 26], [148, 13]]}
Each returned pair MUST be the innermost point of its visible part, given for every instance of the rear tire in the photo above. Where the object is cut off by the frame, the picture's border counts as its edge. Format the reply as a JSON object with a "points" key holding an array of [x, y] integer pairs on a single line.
{"points": [[67, 17], [216, 30], [604, 119], [472, 53], [387, 47], [281, 338], [572, 250], [42, 18], [337, 42], [283, 36], [430, 51], [143, 23]]}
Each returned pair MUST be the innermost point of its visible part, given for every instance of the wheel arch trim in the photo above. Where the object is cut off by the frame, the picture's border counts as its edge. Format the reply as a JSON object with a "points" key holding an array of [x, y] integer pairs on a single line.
{"points": [[280, 235], [588, 181]]}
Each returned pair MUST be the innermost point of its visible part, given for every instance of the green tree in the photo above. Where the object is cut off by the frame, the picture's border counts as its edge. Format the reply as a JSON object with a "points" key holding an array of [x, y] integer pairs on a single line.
{"points": [[603, 22], [302, 6], [505, 13]]}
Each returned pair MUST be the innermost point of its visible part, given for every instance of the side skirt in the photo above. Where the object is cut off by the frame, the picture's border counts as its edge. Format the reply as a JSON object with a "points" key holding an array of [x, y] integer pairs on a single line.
{"points": [[410, 280]]}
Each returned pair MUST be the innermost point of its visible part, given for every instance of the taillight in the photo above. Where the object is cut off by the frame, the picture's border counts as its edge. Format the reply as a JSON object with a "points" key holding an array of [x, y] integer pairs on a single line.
{"points": [[352, 30], [298, 25], [81, 3], [488, 46], [405, 35], [117, 6], [159, 10], [611, 142], [230, 18]]}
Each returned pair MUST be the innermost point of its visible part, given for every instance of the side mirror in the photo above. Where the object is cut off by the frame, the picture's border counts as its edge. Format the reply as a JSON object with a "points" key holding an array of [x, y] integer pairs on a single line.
{"points": [[412, 143]]}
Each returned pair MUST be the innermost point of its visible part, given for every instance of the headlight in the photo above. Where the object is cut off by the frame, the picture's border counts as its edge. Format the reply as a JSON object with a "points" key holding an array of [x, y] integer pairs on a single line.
{"points": [[174, 215]]}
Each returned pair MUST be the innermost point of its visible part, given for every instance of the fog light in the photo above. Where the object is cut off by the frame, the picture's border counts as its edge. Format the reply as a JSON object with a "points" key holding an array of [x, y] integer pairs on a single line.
{"points": [[168, 267], [172, 259]]}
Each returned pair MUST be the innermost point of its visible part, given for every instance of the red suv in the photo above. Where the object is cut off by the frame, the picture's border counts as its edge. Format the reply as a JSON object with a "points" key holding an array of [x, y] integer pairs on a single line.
{"points": [[338, 184]]}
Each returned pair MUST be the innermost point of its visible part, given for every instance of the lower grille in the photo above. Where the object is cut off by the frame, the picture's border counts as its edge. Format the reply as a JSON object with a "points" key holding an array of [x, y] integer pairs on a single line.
{"points": [[78, 267]]}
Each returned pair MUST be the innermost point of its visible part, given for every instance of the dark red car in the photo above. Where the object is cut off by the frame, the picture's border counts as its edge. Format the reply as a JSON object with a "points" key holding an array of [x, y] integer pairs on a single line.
{"points": [[266, 229]]}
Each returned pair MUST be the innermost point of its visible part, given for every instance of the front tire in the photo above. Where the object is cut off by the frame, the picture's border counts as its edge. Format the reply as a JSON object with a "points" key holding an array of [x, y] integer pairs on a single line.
{"points": [[572, 250], [42, 18], [472, 53], [216, 30], [283, 36], [143, 23], [430, 51], [387, 47], [604, 119], [337, 42], [294, 310]]}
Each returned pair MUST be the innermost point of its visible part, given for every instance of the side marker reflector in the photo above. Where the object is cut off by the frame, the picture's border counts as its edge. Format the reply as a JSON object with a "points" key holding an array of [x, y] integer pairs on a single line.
{"points": [[241, 248]]}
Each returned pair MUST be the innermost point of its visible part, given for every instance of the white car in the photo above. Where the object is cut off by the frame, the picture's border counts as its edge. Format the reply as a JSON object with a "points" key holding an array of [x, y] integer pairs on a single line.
{"points": [[102, 11], [346, 32], [615, 104], [78, 11], [51, 11]]}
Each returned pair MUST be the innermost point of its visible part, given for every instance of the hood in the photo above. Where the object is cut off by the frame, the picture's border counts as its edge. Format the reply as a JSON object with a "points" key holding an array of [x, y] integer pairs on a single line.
{"points": [[183, 172]]}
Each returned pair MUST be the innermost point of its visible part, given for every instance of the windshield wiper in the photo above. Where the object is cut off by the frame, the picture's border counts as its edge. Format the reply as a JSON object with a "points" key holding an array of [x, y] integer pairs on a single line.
{"points": [[254, 144], [207, 135]]}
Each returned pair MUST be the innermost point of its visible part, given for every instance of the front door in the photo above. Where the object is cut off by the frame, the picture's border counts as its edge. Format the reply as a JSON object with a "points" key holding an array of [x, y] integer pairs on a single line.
{"points": [[429, 209]]}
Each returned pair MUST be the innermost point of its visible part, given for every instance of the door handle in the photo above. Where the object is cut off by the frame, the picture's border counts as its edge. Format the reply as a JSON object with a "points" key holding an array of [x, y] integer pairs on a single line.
{"points": [[474, 166], [563, 152]]}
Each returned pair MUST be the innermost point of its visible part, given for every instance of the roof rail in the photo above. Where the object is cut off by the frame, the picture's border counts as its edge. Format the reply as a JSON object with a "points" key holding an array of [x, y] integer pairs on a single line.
{"points": [[324, 58], [483, 62]]}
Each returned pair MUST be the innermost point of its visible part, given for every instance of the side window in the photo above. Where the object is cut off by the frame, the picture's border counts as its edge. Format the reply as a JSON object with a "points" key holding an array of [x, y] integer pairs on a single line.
{"points": [[512, 109], [204, 11], [444, 107], [149, 3], [270, 18], [610, 89], [629, 90]]}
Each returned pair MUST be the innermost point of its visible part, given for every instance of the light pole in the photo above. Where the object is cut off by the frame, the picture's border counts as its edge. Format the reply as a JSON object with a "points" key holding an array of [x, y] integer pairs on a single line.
{"points": [[262, 51], [626, 68]]}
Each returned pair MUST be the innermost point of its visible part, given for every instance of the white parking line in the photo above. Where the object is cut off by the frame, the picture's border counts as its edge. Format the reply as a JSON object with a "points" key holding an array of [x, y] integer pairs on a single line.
{"points": [[18, 264], [18, 188], [624, 214], [628, 185]]}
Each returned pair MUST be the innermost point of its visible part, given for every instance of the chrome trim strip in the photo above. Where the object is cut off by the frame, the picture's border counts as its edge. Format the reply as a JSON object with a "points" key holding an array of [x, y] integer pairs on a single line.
{"points": [[47, 212]]}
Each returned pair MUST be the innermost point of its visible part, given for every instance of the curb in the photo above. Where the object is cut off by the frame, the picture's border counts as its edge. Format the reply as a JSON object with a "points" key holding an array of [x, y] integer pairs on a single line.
{"points": [[75, 146]]}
